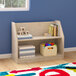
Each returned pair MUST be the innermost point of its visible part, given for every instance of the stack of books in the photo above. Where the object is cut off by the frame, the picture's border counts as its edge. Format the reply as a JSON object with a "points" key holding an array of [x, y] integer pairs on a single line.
{"points": [[26, 51], [29, 36], [53, 29]]}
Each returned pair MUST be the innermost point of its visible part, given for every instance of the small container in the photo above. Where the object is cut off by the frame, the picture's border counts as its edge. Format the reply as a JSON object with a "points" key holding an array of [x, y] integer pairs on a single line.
{"points": [[48, 50], [45, 34]]}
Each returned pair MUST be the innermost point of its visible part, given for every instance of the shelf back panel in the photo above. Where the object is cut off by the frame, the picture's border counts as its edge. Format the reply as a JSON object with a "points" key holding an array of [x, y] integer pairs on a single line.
{"points": [[35, 28]]}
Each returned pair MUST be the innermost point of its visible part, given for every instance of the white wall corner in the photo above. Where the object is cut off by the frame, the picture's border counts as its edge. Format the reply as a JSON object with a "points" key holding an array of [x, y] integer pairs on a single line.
{"points": [[5, 56]]}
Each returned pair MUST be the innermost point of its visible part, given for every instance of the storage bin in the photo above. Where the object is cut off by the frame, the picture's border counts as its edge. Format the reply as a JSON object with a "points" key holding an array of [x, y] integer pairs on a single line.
{"points": [[26, 51], [48, 50]]}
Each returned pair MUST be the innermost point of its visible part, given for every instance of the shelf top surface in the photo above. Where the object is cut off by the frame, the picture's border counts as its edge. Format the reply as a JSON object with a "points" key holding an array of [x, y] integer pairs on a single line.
{"points": [[41, 38]]}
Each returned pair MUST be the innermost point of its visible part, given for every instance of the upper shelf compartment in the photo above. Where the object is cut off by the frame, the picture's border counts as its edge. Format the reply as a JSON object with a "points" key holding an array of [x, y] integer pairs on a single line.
{"points": [[37, 30]]}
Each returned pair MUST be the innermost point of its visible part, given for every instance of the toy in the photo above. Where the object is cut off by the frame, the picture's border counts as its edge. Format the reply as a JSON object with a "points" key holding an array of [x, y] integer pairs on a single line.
{"points": [[22, 28], [19, 33], [52, 44], [46, 44], [43, 44], [27, 32], [22, 31], [22, 34], [49, 45], [45, 34]]}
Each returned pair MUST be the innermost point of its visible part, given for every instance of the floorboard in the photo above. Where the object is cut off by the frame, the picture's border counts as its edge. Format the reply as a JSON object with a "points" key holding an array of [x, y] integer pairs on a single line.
{"points": [[9, 64]]}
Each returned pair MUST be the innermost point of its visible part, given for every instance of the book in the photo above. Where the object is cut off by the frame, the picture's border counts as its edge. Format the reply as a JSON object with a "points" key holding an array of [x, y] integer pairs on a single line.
{"points": [[57, 33], [29, 36], [53, 29]]}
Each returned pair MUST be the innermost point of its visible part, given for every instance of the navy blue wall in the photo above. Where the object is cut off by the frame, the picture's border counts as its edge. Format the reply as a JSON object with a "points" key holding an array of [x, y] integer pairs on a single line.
{"points": [[41, 10]]}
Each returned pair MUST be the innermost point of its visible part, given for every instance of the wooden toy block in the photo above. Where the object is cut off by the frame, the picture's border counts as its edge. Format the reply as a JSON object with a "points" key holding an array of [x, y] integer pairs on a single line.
{"points": [[24, 33], [45, 34], [27, 32], [22, 28], [19, 33]]}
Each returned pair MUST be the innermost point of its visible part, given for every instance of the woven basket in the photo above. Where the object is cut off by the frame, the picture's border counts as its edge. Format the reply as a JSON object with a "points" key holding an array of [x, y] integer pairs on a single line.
{"points": [[48, 50]]}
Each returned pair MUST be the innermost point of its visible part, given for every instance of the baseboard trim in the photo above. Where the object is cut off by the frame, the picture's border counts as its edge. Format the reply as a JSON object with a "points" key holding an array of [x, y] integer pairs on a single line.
{"points": [[71, 49], [4, 56]]}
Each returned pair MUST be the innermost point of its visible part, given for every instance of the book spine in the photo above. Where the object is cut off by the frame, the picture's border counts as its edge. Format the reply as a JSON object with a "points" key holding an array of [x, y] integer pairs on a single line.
{"points": [[55, 30], [51, 30], [25, 38]]}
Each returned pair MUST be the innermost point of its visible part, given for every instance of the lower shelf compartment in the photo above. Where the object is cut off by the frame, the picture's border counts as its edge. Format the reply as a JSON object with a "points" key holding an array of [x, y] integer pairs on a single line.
{"points": [[39, 57]]}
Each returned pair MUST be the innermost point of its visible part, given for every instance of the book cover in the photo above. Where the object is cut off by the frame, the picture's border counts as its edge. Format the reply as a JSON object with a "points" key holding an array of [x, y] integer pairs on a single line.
{"points": [[51, 30]]}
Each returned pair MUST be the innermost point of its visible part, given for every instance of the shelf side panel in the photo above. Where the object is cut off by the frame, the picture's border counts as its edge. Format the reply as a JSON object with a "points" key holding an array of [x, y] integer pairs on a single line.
{"points": [[14, 42], [61, 42]]}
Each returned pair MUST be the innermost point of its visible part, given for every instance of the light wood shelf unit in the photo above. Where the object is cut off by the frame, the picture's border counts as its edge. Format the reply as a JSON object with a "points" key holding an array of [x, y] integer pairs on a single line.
{"points": [[37, 29]]}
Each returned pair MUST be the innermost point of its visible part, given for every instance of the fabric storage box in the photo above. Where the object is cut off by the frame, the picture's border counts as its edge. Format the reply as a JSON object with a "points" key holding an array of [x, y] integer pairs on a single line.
{"points": [[26, 51], [48, 50]]}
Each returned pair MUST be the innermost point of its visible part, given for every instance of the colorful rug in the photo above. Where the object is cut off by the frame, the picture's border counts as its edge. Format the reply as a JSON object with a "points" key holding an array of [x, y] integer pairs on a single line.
{"points": [[68, 69]]}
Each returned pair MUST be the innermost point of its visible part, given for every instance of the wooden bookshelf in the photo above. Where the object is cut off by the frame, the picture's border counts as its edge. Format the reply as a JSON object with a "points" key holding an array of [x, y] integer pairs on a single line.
{"points": [[37, 29]]}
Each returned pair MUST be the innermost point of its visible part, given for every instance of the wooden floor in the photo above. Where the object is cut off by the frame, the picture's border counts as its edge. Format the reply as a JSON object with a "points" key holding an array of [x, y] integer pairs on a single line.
{"points": [[9, 64]]}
